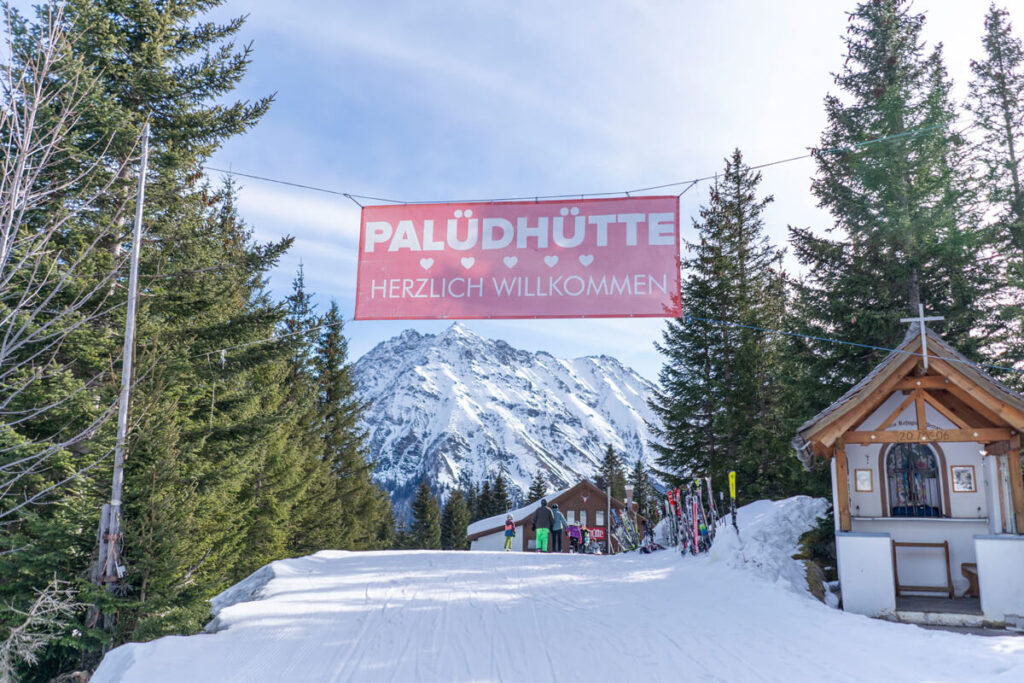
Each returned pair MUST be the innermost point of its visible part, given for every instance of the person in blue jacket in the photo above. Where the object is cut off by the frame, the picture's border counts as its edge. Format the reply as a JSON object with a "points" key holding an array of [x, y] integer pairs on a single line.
{"points": [[557, 526]]}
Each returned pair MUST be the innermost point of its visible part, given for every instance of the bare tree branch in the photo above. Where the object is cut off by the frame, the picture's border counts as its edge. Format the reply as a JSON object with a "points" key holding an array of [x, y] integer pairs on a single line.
{"points": [[50, 289], [51, 612]]}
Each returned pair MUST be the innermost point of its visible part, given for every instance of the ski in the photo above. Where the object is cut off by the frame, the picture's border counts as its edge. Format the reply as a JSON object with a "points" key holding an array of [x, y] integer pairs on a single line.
{"points": [[732, 498]]}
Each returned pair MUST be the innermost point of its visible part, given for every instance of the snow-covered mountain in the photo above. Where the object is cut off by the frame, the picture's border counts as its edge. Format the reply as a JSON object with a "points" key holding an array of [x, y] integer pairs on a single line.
{"points": [[459, 408]]}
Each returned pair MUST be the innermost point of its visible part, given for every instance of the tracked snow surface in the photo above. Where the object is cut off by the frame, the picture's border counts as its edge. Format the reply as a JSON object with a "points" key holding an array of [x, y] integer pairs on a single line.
{"points": [[457, 408], [739, 614]]}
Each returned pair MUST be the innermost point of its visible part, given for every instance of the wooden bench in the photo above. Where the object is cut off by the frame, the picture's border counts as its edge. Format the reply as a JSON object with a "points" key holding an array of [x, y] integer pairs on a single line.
{"points": [[970, 572], [947, 589]]}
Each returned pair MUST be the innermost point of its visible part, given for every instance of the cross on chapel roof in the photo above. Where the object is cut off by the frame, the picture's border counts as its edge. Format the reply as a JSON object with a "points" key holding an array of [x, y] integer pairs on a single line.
{"points": [[920, 320]]}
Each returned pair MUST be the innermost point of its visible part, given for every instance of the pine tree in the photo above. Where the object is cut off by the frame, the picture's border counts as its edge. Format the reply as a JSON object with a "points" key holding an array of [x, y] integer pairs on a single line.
{"points": [[891, 171], [472, 503], [484, 502], [454, 521], [641, 481], [538, 488], [500, 500], [363, 505], [997, 103], [312, 520], [612, 474], [425, 530], [287, 480], [721, 399], [401, 538]]}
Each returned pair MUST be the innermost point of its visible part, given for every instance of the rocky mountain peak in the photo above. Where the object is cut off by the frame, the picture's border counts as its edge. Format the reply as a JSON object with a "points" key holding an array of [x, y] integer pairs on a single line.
{"points": [[456, 407]]}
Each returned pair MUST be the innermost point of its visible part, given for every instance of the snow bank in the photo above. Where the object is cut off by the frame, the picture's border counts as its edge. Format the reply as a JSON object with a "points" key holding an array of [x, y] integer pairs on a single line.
{"points": [[769, 535], [250, 588]]}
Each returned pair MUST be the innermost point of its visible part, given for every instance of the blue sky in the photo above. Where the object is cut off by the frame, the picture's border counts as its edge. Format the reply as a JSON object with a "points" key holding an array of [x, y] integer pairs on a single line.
{"points": [[459, 100]]}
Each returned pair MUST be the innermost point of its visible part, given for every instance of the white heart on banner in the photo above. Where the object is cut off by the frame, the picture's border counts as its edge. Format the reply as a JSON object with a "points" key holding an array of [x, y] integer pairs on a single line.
{"points": [[467, 262], [551, 261], [586, 259], [425, 263], [510, 261]]}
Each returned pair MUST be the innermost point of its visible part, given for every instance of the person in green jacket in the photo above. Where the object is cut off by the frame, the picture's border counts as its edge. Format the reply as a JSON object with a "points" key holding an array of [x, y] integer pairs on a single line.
{"points": [[557, 526]]}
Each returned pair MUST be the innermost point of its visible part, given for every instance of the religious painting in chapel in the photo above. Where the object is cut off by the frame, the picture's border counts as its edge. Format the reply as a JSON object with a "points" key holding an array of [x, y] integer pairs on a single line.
{"points": [[913, 479]]}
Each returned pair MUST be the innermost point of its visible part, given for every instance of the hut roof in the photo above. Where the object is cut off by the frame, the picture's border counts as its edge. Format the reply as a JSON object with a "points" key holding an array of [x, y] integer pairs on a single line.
{"points": [[902, 360]]}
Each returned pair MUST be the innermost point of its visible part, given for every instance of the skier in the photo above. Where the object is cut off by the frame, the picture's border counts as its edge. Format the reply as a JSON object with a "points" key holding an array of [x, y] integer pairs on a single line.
{"points": [[542, 520], [557, 526], [585, 538], [510, 532]]}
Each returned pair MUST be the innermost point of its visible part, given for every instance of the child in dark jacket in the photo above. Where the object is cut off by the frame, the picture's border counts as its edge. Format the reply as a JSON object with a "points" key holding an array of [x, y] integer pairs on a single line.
{"points": [[510, 532]]}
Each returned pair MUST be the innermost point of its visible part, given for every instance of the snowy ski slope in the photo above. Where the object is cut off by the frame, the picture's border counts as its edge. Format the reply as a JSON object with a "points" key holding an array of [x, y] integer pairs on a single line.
{"points": [[458, 616]]}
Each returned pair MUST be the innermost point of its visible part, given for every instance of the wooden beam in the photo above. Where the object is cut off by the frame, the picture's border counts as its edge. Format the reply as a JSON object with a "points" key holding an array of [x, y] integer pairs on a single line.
{"points": [[899, 411], [925, 435], [922, 421], [980, 395], [971, 409], [923, 382], [998, 448], [842, 486], [946, 412], [820, 451], [1002, 496], [1016, 483]]}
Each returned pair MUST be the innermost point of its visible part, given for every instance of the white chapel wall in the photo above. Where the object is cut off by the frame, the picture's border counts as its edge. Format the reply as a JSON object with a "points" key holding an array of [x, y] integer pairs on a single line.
{"points": [[1000, 559], [865, 573]]}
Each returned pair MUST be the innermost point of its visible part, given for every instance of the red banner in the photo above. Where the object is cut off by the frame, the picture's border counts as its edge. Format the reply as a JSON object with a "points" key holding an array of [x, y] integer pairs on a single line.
{"points": [[564, 259], [597, 533]]}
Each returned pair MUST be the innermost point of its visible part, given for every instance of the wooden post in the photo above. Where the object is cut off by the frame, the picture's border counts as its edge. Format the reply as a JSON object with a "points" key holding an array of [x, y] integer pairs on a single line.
{"points": [[922, 421], [842, 486], [608, 520], [1016, 483], [109, 561]]}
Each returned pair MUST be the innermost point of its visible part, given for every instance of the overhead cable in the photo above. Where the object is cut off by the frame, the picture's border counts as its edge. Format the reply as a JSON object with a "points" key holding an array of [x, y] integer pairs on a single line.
{"points": [[855, 147]]}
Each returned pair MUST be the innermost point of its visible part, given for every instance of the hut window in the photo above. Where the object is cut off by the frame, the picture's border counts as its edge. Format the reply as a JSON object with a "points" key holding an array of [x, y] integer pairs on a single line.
{"points": [[583, 517], [599, 518], [913, 477], [570, 517]]}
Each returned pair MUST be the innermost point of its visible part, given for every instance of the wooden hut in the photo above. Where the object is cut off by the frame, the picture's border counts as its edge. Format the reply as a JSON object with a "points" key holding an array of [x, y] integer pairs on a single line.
{"points": [[582, 504]]}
